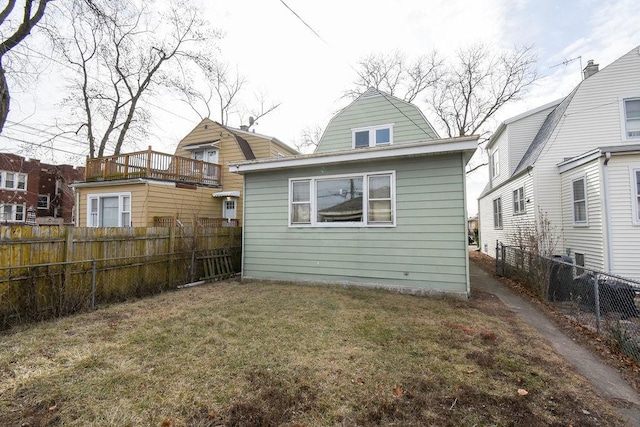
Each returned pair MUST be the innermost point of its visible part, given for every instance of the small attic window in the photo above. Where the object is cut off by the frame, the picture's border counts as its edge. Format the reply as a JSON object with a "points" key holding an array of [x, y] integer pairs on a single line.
{"points": [[372, 136]]}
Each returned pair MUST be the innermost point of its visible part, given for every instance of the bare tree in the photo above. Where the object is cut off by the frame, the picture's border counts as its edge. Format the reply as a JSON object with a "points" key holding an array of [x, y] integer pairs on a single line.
{"points": [[478, 84], [396, 75], [309, 139], [13, 32], [121, 56]]}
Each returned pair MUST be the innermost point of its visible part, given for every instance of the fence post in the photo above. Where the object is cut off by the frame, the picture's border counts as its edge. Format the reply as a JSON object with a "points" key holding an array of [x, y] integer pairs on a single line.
{"points": [[172, 249], [93, 283], [497, 255], [504, 260], [596, 301]]}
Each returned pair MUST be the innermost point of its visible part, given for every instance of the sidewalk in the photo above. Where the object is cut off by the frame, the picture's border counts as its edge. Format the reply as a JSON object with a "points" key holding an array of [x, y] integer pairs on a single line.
{"points": [[606, 380]]}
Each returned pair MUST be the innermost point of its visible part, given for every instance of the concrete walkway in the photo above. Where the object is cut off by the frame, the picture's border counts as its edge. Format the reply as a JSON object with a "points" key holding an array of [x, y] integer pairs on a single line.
{"points": [[606, 380]]}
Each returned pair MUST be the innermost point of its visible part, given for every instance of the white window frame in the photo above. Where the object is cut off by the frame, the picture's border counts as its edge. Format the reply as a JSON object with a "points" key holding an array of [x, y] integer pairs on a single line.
{"points": [[14, 212], [497, 213], [365, 223], [18, 178], [495, 163], [635, 195], [585, 222], [519, 204], [372, 135], [623, 117], [48, 198], [122, 212]]}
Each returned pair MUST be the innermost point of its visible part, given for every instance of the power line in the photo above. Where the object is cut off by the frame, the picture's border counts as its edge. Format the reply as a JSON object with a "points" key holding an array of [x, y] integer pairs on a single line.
{"points": [[35, 144], [305, 23]]}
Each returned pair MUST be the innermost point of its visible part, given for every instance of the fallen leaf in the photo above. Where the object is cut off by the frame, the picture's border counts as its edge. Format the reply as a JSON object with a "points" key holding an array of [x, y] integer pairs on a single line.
{"points": [[212, 414], [471, 371], [522, 392], [398, 391], [167, 423], [584, 411]]}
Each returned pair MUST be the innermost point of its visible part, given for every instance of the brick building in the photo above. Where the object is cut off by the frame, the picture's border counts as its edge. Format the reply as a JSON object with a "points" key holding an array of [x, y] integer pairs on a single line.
{"points": [[31, 186]]}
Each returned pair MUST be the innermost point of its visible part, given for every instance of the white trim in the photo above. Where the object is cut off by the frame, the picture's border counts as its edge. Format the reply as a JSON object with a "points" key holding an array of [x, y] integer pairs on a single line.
{"points": [[122, 182], [372, 135], [584, 223], [495, 163], [16, 179], [48, 202], [517, 203], [201, 146], [497, 225], [635, 197], [313, 221], [451, 145], [14, 211], [623, 116], [579, 160], [98, 197]]}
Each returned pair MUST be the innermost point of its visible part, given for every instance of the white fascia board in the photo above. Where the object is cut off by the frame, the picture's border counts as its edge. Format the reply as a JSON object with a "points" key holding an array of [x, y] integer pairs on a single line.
{"points": [[119, 182], [464, 144], [226, 194], [579, 160]]}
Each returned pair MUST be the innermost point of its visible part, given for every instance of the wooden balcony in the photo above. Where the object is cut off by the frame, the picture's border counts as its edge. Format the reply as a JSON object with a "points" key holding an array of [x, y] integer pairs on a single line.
{"points": [[153, 165]]}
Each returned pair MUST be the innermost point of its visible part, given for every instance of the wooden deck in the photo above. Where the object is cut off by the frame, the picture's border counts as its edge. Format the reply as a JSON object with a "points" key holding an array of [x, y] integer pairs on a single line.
{"points": [[153, 165]]}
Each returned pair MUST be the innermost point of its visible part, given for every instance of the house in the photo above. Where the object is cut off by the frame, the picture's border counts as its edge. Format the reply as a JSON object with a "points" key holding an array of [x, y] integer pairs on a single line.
{"points": [[149, 188], [576, 162], [28, 186], [380, 203]]}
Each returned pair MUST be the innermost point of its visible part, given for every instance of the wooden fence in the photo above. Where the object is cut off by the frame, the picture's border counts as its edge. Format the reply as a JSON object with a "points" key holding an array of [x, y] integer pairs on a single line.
{"points": [[53, 271]]}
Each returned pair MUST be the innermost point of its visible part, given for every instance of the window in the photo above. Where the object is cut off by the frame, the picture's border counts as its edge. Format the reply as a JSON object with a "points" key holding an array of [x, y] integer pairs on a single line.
{"points": [[579, 201], [579, 263], [13, 180], [518, 201], [631, 108], [495, 164], [372, 136], [109, 210], [43, 201], [497, 213], [11, 213], [357, 200]]}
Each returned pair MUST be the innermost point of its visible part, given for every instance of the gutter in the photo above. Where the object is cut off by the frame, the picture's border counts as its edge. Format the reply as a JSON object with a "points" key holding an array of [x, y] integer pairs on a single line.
{"points": [[607, 210]]}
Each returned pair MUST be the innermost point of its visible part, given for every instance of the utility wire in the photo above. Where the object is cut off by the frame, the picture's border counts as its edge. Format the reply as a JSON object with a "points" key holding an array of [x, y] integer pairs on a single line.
{"points": [[35, 144], [305, 23]]}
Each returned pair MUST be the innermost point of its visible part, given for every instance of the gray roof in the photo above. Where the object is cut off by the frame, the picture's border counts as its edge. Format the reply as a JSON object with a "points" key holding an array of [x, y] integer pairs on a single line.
{"points": [[544, 133]]}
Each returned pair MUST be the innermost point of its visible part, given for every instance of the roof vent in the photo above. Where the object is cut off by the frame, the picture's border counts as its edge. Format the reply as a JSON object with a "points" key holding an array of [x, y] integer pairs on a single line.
{"points": [[590, 69]]}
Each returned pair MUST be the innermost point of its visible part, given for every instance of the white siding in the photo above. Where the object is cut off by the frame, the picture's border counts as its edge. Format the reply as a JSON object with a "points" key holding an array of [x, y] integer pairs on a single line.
{"points": [[510, 222], [587, 239], [591, 120], [625, 234], [521, 133], [502, 147]]}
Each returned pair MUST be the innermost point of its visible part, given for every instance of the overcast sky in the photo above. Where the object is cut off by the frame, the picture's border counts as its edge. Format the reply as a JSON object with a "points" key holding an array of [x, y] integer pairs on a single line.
{"points": [[279, 55]]}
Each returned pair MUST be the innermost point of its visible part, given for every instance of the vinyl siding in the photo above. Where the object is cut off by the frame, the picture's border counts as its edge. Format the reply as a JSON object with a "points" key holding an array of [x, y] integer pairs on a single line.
{"points": [[409, 125], [510, 222], [589, 239], [625, 234], [182, 203], [425, 251], [521, 134], [501, 146], [591, 120]]}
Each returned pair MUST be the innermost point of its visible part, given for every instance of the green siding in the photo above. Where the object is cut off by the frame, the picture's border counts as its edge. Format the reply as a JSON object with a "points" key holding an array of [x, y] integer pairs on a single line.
{"points": [[425, 251], [409, 124]]}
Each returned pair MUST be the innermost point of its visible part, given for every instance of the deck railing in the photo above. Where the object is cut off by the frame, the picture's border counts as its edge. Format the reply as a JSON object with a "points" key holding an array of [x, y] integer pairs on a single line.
{"points": [[154, 165]]}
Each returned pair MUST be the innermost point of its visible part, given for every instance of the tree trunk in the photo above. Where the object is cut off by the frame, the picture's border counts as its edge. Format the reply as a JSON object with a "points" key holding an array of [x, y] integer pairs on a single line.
{"points": [[4, 97]]}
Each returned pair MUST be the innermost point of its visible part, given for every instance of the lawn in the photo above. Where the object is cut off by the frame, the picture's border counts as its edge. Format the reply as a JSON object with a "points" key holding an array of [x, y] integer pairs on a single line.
{"points": [[267, 354]]}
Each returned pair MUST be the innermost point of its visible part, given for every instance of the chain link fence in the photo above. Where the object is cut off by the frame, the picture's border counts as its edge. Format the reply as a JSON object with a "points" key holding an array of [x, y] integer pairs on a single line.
{"points": [[601, 302], [43, 291]]}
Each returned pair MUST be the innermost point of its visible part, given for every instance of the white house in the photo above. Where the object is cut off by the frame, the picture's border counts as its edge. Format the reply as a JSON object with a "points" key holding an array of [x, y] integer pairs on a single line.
{"points": [[576, 160]]}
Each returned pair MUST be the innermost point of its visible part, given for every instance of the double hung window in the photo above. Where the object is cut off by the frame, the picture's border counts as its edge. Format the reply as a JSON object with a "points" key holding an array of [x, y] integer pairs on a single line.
{"points": [[518, 201], [497, 213], [359, 200], [109, 210], [579, 201]]}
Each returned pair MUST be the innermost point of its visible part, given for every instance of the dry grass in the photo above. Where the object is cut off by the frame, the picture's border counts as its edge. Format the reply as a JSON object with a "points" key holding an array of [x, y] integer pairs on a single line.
{"points": [[282, 354]]}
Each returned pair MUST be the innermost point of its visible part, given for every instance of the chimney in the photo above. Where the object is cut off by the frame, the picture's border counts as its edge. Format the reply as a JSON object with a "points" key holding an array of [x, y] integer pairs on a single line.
{"points": [[590, 69], [244, 127]]}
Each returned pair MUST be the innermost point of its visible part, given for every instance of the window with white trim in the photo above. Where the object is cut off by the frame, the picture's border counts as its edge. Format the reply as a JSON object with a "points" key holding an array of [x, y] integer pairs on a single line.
{"points": [[13, 180], [518, 201], [497, 213], [631, 108], [43, 202], [372, 136], [579, 187], [354, 200], [109, 210], [12, 213], [495, 164]]}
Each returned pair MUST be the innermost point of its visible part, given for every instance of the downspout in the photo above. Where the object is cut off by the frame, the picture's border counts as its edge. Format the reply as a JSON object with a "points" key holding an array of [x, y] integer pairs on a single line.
{"points": [[607, 211], [76, 220]]}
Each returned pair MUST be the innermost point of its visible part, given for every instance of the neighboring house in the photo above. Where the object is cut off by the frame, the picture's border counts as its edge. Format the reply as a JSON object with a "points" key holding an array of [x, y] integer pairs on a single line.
{"points": [[32, 192], [576, 161], [380, 203], [148, 188]]}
